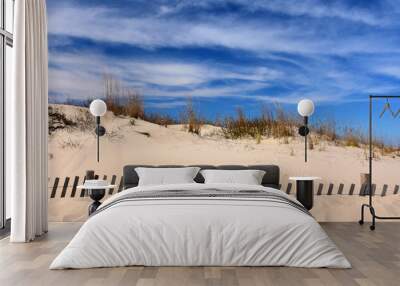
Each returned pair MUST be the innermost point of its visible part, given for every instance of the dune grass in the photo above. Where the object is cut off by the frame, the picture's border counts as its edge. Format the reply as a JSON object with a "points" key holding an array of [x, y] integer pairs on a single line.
{"points": [[273, 122]]}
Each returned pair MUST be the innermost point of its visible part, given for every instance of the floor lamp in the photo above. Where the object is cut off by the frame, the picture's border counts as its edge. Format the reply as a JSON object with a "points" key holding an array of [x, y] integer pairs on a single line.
{"points": [[305, 108], [98, 108]]}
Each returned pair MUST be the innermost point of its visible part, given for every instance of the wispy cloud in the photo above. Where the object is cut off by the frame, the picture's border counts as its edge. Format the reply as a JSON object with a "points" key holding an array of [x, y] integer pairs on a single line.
{"points": [[79, 75], [331, 51], [256, 34], [311, 8], [166, 105]]}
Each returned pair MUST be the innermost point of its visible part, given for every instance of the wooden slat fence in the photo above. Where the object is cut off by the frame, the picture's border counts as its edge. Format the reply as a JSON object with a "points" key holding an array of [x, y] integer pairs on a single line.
{"points": [[59, 187]]}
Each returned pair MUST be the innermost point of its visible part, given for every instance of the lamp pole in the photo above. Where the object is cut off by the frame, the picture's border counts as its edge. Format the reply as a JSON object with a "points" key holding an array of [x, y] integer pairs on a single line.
{"points": [[305, 138], [98, 137]]}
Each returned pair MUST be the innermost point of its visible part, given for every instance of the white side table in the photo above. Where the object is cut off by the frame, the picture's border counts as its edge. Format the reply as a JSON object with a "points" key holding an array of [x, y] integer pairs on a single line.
{"points": [[305, 190], [96, 194]]}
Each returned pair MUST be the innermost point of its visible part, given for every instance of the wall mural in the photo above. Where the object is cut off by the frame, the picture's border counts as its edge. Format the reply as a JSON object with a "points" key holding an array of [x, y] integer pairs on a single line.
{"points": [[217, 82]]}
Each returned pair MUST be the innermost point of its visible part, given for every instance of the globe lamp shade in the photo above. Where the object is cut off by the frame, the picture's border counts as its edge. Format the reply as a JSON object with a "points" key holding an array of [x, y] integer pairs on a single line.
{"points": [[305, 107], [98, 107]]}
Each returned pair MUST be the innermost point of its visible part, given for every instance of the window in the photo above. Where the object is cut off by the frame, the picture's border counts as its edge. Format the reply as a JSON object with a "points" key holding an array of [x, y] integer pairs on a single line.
{"points": [[6, 60]]}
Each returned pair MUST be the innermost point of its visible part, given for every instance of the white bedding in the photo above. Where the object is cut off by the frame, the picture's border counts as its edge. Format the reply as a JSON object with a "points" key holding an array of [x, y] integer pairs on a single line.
{"points": [[200, 231]]}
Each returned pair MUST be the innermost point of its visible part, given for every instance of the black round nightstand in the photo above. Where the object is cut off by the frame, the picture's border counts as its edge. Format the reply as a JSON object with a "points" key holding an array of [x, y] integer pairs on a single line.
{"points": [[96, 194], [305, 190]]}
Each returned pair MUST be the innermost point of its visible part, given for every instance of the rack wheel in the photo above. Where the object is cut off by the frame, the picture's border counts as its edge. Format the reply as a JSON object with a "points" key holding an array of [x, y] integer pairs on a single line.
{"points": [[361, 222], [372, 227]]}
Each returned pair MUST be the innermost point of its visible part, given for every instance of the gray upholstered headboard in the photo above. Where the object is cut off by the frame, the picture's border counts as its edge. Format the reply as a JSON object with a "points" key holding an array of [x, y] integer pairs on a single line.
{"points": [[271, 177]]}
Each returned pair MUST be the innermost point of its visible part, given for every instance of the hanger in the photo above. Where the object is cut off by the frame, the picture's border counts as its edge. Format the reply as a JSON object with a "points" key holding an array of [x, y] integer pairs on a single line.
{"points": [[387, 107], [397, 113]]}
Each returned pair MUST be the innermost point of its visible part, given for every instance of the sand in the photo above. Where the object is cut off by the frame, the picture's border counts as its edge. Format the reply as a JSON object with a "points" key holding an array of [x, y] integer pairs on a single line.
{"points": [[72, 152]]}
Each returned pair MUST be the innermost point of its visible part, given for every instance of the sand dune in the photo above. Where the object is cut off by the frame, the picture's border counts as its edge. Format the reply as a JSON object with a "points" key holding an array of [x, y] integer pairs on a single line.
{"points": [[72, 152]]}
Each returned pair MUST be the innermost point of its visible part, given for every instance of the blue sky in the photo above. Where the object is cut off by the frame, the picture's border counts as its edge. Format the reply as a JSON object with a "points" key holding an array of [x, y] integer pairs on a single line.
{"points": [[226, 54]]}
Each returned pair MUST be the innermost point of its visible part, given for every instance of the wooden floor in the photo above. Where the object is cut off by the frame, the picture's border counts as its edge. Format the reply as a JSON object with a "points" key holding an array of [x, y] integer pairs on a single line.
{"points": [[375, 257]]}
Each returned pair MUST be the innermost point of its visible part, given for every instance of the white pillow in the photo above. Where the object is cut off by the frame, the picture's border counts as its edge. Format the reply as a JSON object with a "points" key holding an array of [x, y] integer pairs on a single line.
{"points": [[165, 176], [248, 177]]}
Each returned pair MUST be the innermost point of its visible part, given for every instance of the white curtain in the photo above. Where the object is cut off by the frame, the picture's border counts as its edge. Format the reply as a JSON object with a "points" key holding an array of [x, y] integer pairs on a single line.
{"points": [[27, 123]]}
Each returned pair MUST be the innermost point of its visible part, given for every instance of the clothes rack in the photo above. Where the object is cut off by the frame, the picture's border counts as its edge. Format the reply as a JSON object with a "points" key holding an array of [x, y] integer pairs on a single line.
{"points": [[370, 190]]}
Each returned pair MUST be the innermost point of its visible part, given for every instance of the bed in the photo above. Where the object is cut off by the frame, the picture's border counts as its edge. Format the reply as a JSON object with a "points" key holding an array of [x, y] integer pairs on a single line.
{"points": [[197, 224]]}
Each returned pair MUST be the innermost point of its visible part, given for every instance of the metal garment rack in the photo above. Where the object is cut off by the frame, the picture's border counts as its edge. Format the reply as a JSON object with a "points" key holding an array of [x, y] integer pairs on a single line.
{"points": [[370, 190]]}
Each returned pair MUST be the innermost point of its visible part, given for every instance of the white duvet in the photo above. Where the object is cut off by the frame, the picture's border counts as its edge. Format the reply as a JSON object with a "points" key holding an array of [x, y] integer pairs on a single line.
{"points": [[199, 231]]}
